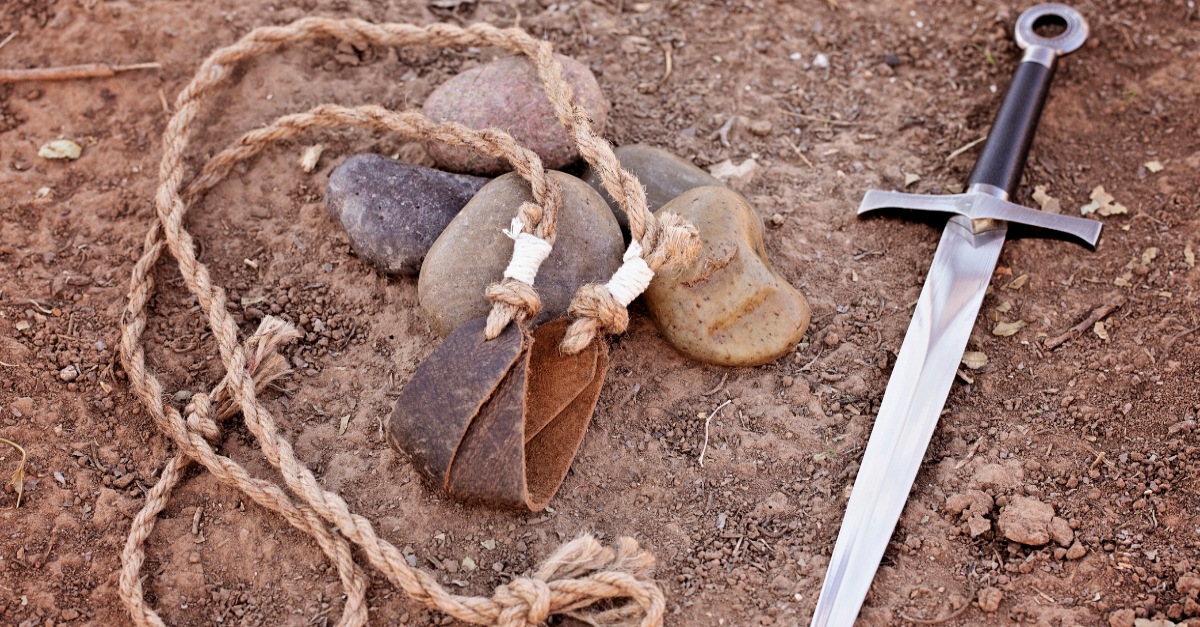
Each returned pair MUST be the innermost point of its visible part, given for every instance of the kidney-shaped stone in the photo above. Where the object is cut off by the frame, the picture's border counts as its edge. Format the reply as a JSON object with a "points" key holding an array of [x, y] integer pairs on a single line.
{"points": [[729, 307]]}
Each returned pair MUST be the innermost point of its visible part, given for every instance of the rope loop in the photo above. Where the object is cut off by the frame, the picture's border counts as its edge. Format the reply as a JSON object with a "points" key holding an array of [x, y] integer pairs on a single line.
{"points": [[582, 579]]}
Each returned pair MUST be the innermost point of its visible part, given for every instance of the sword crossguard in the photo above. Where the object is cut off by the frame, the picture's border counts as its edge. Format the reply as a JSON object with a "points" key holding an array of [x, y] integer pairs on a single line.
{"points": [[983, 210]]}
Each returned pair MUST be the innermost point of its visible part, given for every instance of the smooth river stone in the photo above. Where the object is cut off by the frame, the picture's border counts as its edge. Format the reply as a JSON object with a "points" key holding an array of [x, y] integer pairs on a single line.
{"points": [[393, 212], [472, 253], [662, 174], [729, 307], [506, 94]]}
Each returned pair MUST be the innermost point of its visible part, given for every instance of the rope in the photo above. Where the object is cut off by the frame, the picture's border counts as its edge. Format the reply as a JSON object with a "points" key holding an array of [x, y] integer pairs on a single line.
{"points": [[576, 577]]}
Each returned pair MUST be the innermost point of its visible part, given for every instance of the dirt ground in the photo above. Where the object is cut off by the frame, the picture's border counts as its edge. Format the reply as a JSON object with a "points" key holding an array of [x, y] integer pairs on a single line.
{"points": [[1102, 428]]}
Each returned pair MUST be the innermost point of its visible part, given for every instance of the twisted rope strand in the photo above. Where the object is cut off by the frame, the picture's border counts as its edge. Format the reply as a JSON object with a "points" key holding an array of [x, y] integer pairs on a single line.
{"points": [[576, 577]]}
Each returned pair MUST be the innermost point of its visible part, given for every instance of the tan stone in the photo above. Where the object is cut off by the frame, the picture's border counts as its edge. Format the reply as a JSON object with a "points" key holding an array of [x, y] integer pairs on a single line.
{"points": [[728, 307]]}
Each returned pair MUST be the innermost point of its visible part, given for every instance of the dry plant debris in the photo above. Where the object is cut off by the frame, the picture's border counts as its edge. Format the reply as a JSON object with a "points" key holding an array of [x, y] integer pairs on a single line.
{"points": [[1045, 201], [18, 477], [60, 149], [974, 359], [1102, 203], [1006, 329]]}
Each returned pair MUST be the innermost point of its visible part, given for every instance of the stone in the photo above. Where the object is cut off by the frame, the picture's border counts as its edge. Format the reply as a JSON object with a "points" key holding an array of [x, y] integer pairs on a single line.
{"points": [[22, 407], [393, 212], [1061, 532], [472, 253], [782, 585], [1026, 520], [662, 174], [1189, 586], [1121, 618], [1154, 622], [729, 306], [989, 599], [1076, 551], [507, 94]]}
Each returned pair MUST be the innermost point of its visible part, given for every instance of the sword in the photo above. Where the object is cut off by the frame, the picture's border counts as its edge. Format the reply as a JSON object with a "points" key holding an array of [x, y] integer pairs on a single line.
{"points": [[946, 309]]}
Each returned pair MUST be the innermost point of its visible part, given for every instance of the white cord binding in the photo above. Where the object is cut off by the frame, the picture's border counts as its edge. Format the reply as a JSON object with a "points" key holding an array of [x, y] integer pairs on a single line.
{"points": [[529, 251], [632, 278]]}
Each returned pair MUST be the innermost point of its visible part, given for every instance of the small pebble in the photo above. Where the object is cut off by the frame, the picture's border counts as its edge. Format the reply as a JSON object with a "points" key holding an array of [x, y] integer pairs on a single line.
{"points": [[68, 374], [393, 212], [472, 252], [662, 174], [728, 307], [891, 59], [507, 94], [820, 61], [1076, 551]]}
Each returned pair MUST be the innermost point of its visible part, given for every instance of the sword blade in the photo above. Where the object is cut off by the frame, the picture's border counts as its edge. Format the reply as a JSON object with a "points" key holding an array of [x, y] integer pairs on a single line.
{"points": [[912, 403]]}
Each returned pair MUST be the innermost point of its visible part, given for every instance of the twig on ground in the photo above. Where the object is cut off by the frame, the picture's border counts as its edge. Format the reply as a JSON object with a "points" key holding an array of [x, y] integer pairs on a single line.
{"points": [[936, 621], [814, 118], [716, 388], [9, 38], [18, 477], [800, 154], [1167, 346], [69, 72], [723, 132], [707, 420], [666, 48], [965, 148], [1097, 315]]}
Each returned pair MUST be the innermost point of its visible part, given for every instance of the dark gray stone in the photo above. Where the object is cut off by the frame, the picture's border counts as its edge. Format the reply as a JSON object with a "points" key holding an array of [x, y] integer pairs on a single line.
{"points": [[393, 212], [663, 174]]}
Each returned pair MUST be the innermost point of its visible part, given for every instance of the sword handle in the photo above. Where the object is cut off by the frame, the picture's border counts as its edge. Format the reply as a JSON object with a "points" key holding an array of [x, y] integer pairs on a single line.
{"points": [[1003, 158]]}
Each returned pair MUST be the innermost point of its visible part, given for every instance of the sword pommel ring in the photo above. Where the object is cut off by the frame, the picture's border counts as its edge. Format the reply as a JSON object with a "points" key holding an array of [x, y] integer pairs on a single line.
{"points": [[1051, 16]]}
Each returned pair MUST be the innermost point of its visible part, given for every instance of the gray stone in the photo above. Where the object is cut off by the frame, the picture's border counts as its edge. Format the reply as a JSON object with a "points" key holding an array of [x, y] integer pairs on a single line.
{"points": [[729, 306], [472, 253], [506, 94], [662, 174], [393, 212]]}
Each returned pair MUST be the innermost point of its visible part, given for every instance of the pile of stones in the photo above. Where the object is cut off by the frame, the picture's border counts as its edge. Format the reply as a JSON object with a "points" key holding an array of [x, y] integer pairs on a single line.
{"points": [[728, 307]]}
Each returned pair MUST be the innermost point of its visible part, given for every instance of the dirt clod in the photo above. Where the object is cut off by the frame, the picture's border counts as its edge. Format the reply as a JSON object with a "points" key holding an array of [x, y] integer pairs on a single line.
{"points": [[1026, 520], [1122, 618], [989, 599]]}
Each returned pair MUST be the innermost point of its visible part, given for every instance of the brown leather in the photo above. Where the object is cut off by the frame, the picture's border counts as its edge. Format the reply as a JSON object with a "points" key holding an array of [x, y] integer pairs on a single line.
{"points": [[499, 422]]}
